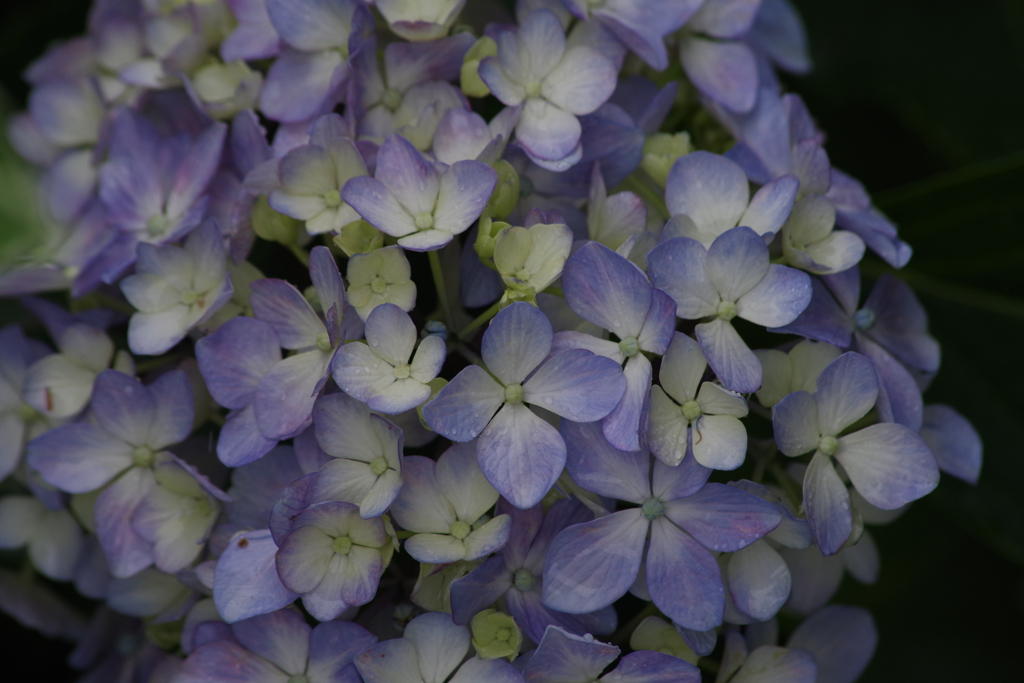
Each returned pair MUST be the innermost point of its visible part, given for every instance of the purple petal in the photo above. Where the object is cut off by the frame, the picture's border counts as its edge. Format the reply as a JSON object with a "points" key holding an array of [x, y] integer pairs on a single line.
{"points": [[378, 205], [562, 656], [123, 407], [547, 132], [240, 440], [724, 71], [646, 666], [299, 84], [234, 359], [723, 518], [281, 637], [847, 389], [842, 640], [626, 423], [280, 305], [78, 457], [710, 189], [408, 174], [795, 422], [770, 205], [224, 660], [823, 319], [333, 647], [591, 565], [601, 468], [737, 261], [759, 581], [465, 405], [390, 661], [888, 464], [126, 550], [678, 481], [683, 578], [246, 582], [517, 341], [954, 442], [521, 455], [606, 289], [577, 385], [323, 270], [827, 503], [778, 299], [464, 191], [771, 664], [172, 419], [901, 324], [196, 169], [582, 81], [285, 396], [677, 268], [725, 18], [728, 355], [878, 233], [504, 88], [479, 589], [899, 397]]}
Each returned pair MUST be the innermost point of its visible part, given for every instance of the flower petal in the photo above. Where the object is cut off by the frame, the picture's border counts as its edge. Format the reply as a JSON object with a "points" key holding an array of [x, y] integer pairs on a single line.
{"points": [[517, 341], [827, 503], [246, 583], [521, 455], [683, 578], [677, 268], [710, 189], [577, 385], [728, 355], [601, 468], [888, 464], [465, 405]]}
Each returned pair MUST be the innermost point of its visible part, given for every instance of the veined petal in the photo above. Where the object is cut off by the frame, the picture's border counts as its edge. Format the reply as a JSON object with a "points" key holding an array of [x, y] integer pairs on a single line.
{"points": [[488, 538], [464, 191], [360, 372], [285, 396], [78, 457], [601, 468], [582, 81], [683, 578], [795, 423], [710, 189], [378, 205], [547, 131], [234, 359], [606, 289], [771, 205], [517, 341], [440, 644], [460, 479], [827, 503], [847, 390], [888, 464], [737, 261], [723, 518], [562, 656], [521, 455], [677, 268], [778, 299], [626, 425], [280, 305], [577, 385], [728, 355], [465, 405]]}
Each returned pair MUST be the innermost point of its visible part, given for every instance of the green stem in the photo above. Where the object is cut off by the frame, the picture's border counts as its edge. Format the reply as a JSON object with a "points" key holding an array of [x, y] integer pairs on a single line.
{"points": [[786, 482], [480, 320], [709, 665], [159, 361], [442, 293], [644, 190]]}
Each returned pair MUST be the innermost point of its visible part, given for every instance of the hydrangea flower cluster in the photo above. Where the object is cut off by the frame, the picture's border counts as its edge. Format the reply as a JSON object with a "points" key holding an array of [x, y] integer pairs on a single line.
{"points": [[525, 339]]}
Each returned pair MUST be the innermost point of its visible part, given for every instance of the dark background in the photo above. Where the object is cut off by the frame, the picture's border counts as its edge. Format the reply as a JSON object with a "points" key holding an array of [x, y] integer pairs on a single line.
{"points": [[923, 101]]}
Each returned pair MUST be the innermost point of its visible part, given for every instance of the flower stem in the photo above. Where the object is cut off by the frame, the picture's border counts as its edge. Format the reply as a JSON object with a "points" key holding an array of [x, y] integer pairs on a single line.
{"points": [[442, 293], [480, 320]]}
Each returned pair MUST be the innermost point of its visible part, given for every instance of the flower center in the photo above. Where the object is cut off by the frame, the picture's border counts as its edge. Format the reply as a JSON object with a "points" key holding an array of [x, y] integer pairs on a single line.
{"points": [[727, 310], [143, 456], [502, 635], [424, 220], [523, 580], [157, 225], [533, 89], [342, 545], [193, 298], [391, 99], [864, 319], [629, 346], [402, 371], [332, 199], [460, 530], [323, 342], [523, 274], [379, 285], [827, 445], [378, 466], [652, 509], [691, 410], [514, 393]]}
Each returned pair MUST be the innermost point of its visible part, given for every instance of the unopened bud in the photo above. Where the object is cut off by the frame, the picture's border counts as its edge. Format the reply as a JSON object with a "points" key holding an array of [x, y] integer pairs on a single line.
{"points": [[470, 80], [661, 150]]}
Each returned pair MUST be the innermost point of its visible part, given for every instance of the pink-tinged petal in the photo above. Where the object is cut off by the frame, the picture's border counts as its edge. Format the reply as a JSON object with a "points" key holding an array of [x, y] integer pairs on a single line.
{"points": [[582, 81], [123, 407], [547, 132], [827, 503], [759, 581], [285, 396], [677, 268], [770, 205], [729, 356], [723, 518], [408, 174], [126, 550], [778, 299], [378, 205], [521, 455], [517, 341], [842, 640], [626, 423], [465, 405], [771, 664], [577, 385], [503, 87], [78, 457], [601, 468], [464, 192], [591, 565], [710, 189], [646, 666], [726, 72], [737, 261], [888, 464], [795, 423], [954, 442], [562, 656], [223, 660], [683, 578], [606, 289], [280, 305], [847, 389], [299, 84], [234, 359]]}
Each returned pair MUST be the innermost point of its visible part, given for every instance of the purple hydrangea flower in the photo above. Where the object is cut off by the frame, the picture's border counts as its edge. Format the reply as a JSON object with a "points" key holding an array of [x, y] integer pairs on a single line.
{"points": [[18, 419], [954, 442], [766, 664], [279, 647], [887, 463], [409, 199], [553, 83], [722, 67], [733, 277], [520, 453], [604, 288], [516, 574], [591, 565]]}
